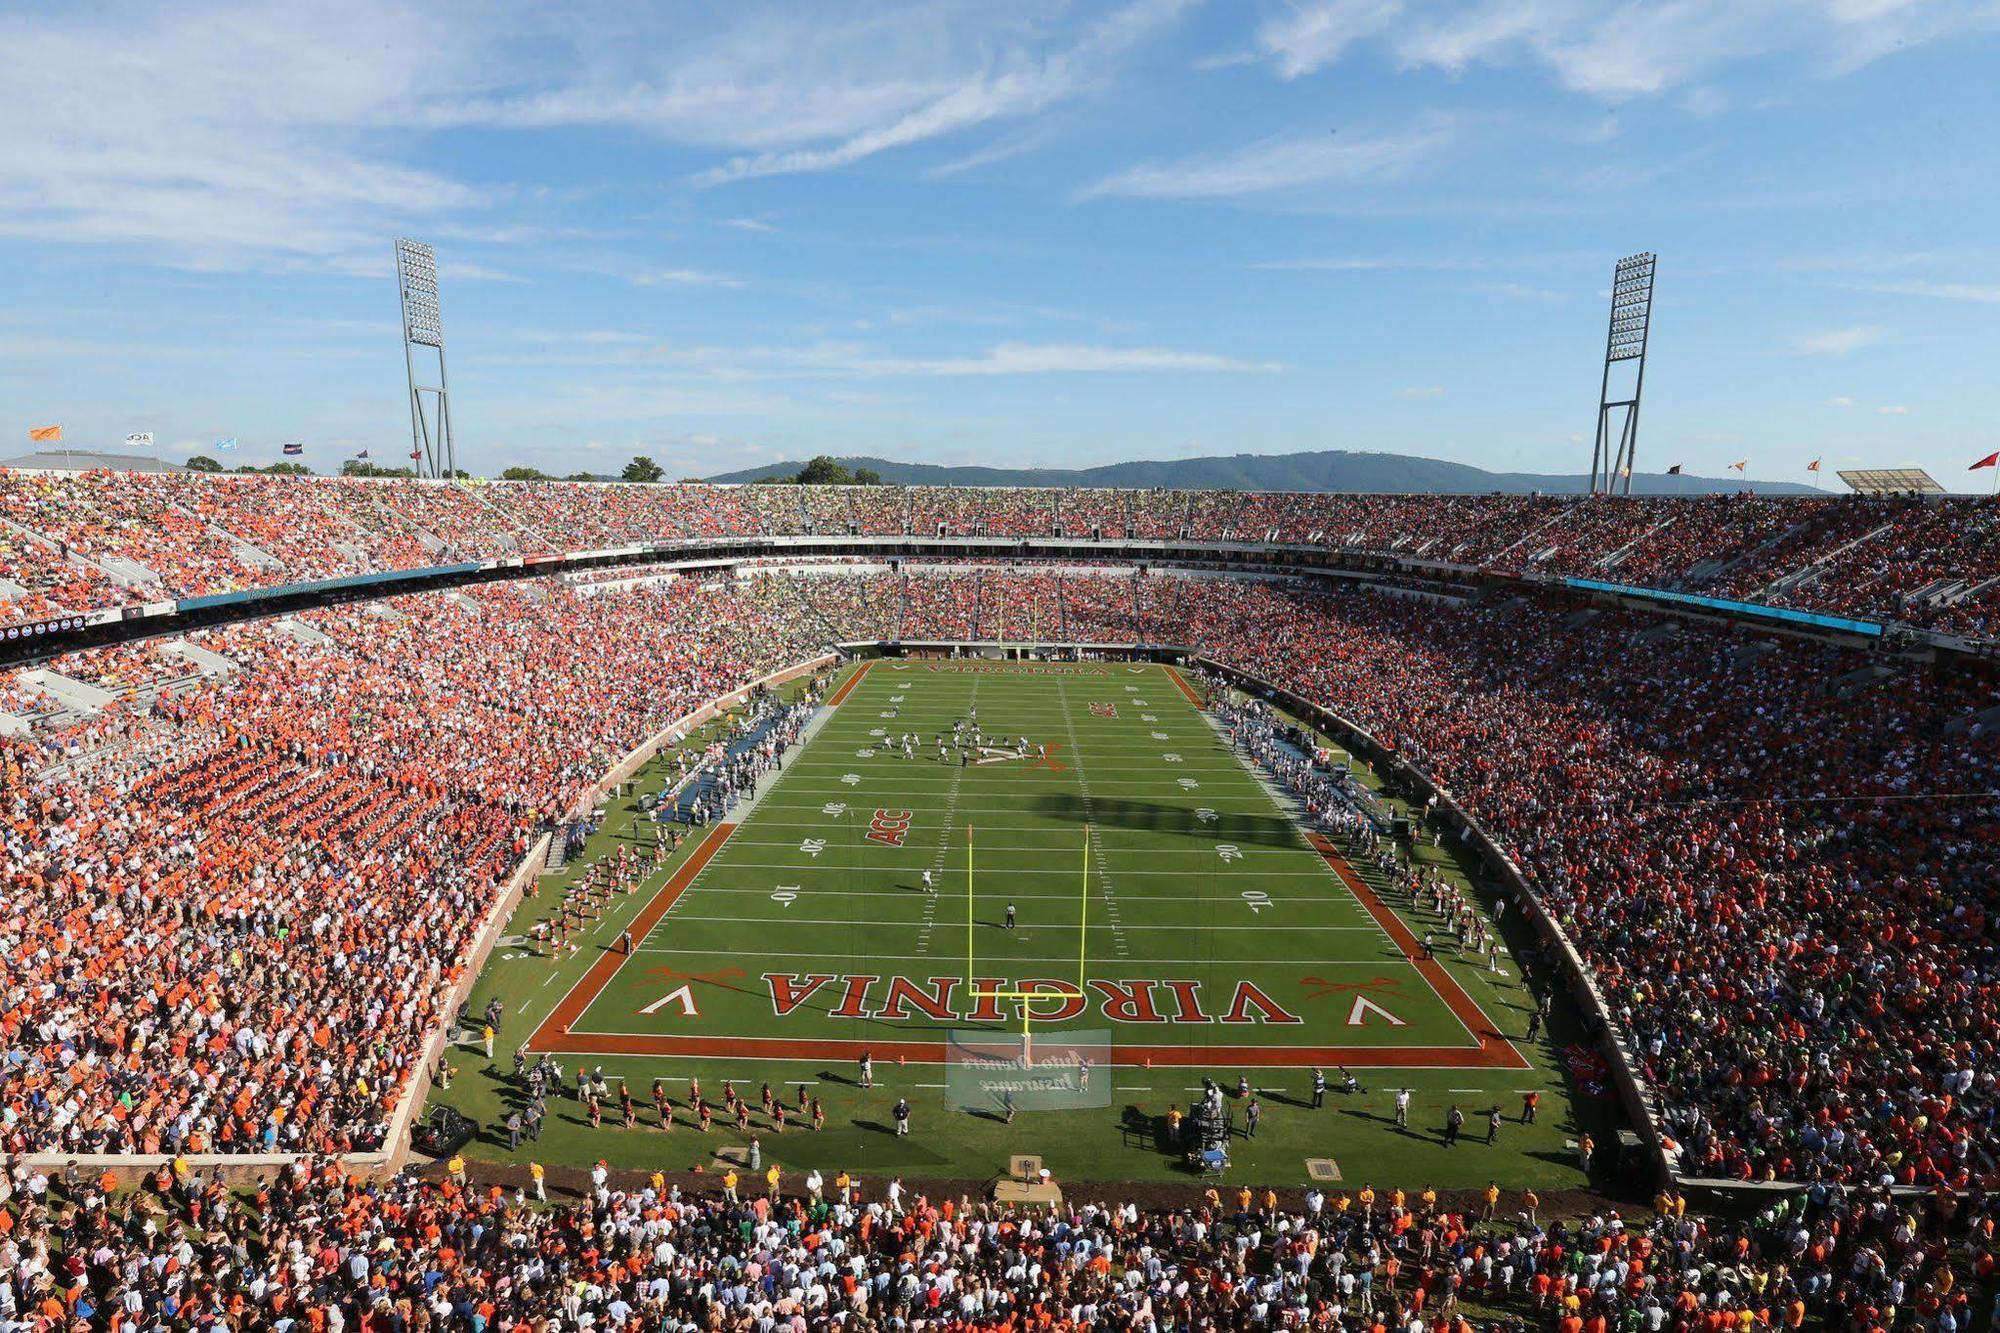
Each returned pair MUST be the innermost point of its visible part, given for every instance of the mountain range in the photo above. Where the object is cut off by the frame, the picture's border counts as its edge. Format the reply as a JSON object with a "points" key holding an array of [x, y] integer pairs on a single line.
{"points": [[1324, 470]]}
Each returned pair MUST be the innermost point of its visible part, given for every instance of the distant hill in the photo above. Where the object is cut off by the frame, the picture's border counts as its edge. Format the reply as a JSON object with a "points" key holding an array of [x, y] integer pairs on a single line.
{"points": [[1327, 470]]}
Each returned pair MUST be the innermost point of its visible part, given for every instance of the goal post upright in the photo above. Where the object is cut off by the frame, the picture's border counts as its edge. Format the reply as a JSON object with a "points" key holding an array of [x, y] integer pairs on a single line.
{"points": [[1026, 998], [1083, 914]]}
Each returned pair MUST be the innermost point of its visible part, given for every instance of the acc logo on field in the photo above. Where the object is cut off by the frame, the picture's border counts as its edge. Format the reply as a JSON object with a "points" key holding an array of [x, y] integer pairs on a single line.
{"points": [[889, 827]]}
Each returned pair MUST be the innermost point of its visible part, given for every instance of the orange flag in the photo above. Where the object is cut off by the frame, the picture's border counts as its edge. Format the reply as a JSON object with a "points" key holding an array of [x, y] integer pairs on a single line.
{"points": [[42, 433]]}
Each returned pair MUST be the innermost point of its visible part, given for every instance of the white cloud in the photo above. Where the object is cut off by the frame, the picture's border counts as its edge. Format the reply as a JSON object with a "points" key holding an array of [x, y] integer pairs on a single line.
{"points": [[1521, 291], [1614, 49], [1281, 163], [1012, 85], [1946, 291], [225, 137], [1892, 411], [1367, 264], [1843, 402], [685, 277], [749, 224], [1839, 342], [848, 360], [222, 134], [1430, 391], [459, 271], [1039, 359], [1311, 36]]}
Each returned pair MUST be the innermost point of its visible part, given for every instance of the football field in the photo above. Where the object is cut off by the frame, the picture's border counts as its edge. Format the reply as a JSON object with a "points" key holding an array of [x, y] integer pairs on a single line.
{"points": [[1170, 922], [1157, 891]]}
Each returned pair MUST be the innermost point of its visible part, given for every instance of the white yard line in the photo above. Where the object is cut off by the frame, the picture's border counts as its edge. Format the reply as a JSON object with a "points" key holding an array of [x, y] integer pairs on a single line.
{"points": [[1106, 886], [944, 837]]}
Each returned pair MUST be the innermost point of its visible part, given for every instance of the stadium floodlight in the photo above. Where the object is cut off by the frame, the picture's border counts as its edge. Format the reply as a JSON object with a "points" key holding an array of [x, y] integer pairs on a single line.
{"points": [[431, 444], [1612, 463]]}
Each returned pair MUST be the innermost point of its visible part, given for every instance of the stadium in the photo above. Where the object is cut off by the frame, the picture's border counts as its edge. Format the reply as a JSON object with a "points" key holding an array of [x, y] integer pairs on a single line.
{"points": [[439, 900]]}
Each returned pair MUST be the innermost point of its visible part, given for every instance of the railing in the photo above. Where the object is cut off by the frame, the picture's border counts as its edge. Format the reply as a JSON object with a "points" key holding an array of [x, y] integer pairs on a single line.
{"points": [[23, 643]]}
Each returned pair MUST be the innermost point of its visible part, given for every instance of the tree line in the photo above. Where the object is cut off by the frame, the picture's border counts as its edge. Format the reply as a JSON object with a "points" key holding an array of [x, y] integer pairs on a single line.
{"points": [[821, 471]]}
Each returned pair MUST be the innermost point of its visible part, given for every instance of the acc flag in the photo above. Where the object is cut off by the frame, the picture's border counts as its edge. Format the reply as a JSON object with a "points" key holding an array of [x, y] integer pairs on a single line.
{"points": [[1739, 466], [1813, 466], [43, 433], [142, 439], [294, 450], [229, 443], [1991, 460], [1674, 471]]}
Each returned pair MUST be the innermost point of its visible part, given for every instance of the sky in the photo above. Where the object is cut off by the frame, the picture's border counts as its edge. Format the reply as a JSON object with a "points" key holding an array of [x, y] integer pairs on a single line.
{"points": [[1033, 233]]}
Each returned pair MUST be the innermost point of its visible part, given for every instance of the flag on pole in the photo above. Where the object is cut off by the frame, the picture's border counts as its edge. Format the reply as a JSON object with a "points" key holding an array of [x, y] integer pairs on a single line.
{"points": [[140, 439], [362, 454], [227, 444], [1624, 471], [414, 455], [1813, 466], [1991, 460], [294, 450], [44, 434], [1740, 464], [1674, 471]]}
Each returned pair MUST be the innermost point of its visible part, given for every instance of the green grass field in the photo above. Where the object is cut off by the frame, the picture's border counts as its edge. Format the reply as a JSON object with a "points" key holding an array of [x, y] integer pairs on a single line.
{"points": [[1209, 937]]}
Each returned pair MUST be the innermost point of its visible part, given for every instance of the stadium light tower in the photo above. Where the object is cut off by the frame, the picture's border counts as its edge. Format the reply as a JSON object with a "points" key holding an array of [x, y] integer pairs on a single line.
{"points": [[423, 326], [1612, 464]]}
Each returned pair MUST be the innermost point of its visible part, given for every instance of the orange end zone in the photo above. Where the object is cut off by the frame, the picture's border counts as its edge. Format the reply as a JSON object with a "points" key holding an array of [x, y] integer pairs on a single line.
{"points": [[1499, 1052], [1173, 674], [847, 686], [555, 1028], [1493, 1051]]}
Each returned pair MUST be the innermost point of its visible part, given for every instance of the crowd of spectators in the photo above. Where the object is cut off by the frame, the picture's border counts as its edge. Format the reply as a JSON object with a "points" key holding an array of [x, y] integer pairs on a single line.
{"points": [[1779, 864], [1776, 857], [181, 868], [1776, 862], [314, 1249], [81, 541]]}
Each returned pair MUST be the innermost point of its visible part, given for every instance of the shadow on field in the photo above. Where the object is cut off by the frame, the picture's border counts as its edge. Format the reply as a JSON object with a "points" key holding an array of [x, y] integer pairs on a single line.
{"points": [[1269, 830]]}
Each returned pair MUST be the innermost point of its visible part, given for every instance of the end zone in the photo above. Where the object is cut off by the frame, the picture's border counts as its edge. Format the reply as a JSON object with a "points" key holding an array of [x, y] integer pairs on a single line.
{"points": [[555, 1028], [1499, 1053]]}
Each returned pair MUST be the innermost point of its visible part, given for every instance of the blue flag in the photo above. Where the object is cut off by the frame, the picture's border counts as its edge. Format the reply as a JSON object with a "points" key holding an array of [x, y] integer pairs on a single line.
{"points": [[229, 443]]}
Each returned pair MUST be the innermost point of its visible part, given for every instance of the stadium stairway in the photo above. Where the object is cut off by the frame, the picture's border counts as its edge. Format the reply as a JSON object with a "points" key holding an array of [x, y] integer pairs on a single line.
{"points": [[557, 858]]}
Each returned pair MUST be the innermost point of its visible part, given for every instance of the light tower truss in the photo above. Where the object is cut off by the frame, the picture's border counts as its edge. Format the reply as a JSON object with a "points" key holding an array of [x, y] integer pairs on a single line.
{"points": [[1614, 457], [431, 445]]}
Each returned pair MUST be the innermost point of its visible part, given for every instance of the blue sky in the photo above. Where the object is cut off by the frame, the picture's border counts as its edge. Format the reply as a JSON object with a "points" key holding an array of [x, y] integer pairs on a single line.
{"points": [[1031, 233]]}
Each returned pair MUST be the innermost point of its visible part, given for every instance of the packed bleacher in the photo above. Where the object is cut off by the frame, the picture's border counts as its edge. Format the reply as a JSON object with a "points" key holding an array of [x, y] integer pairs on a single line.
{"points": [[73, 542], [1774, 855], [187, 859], [313, 1249], [1746, 841]]}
